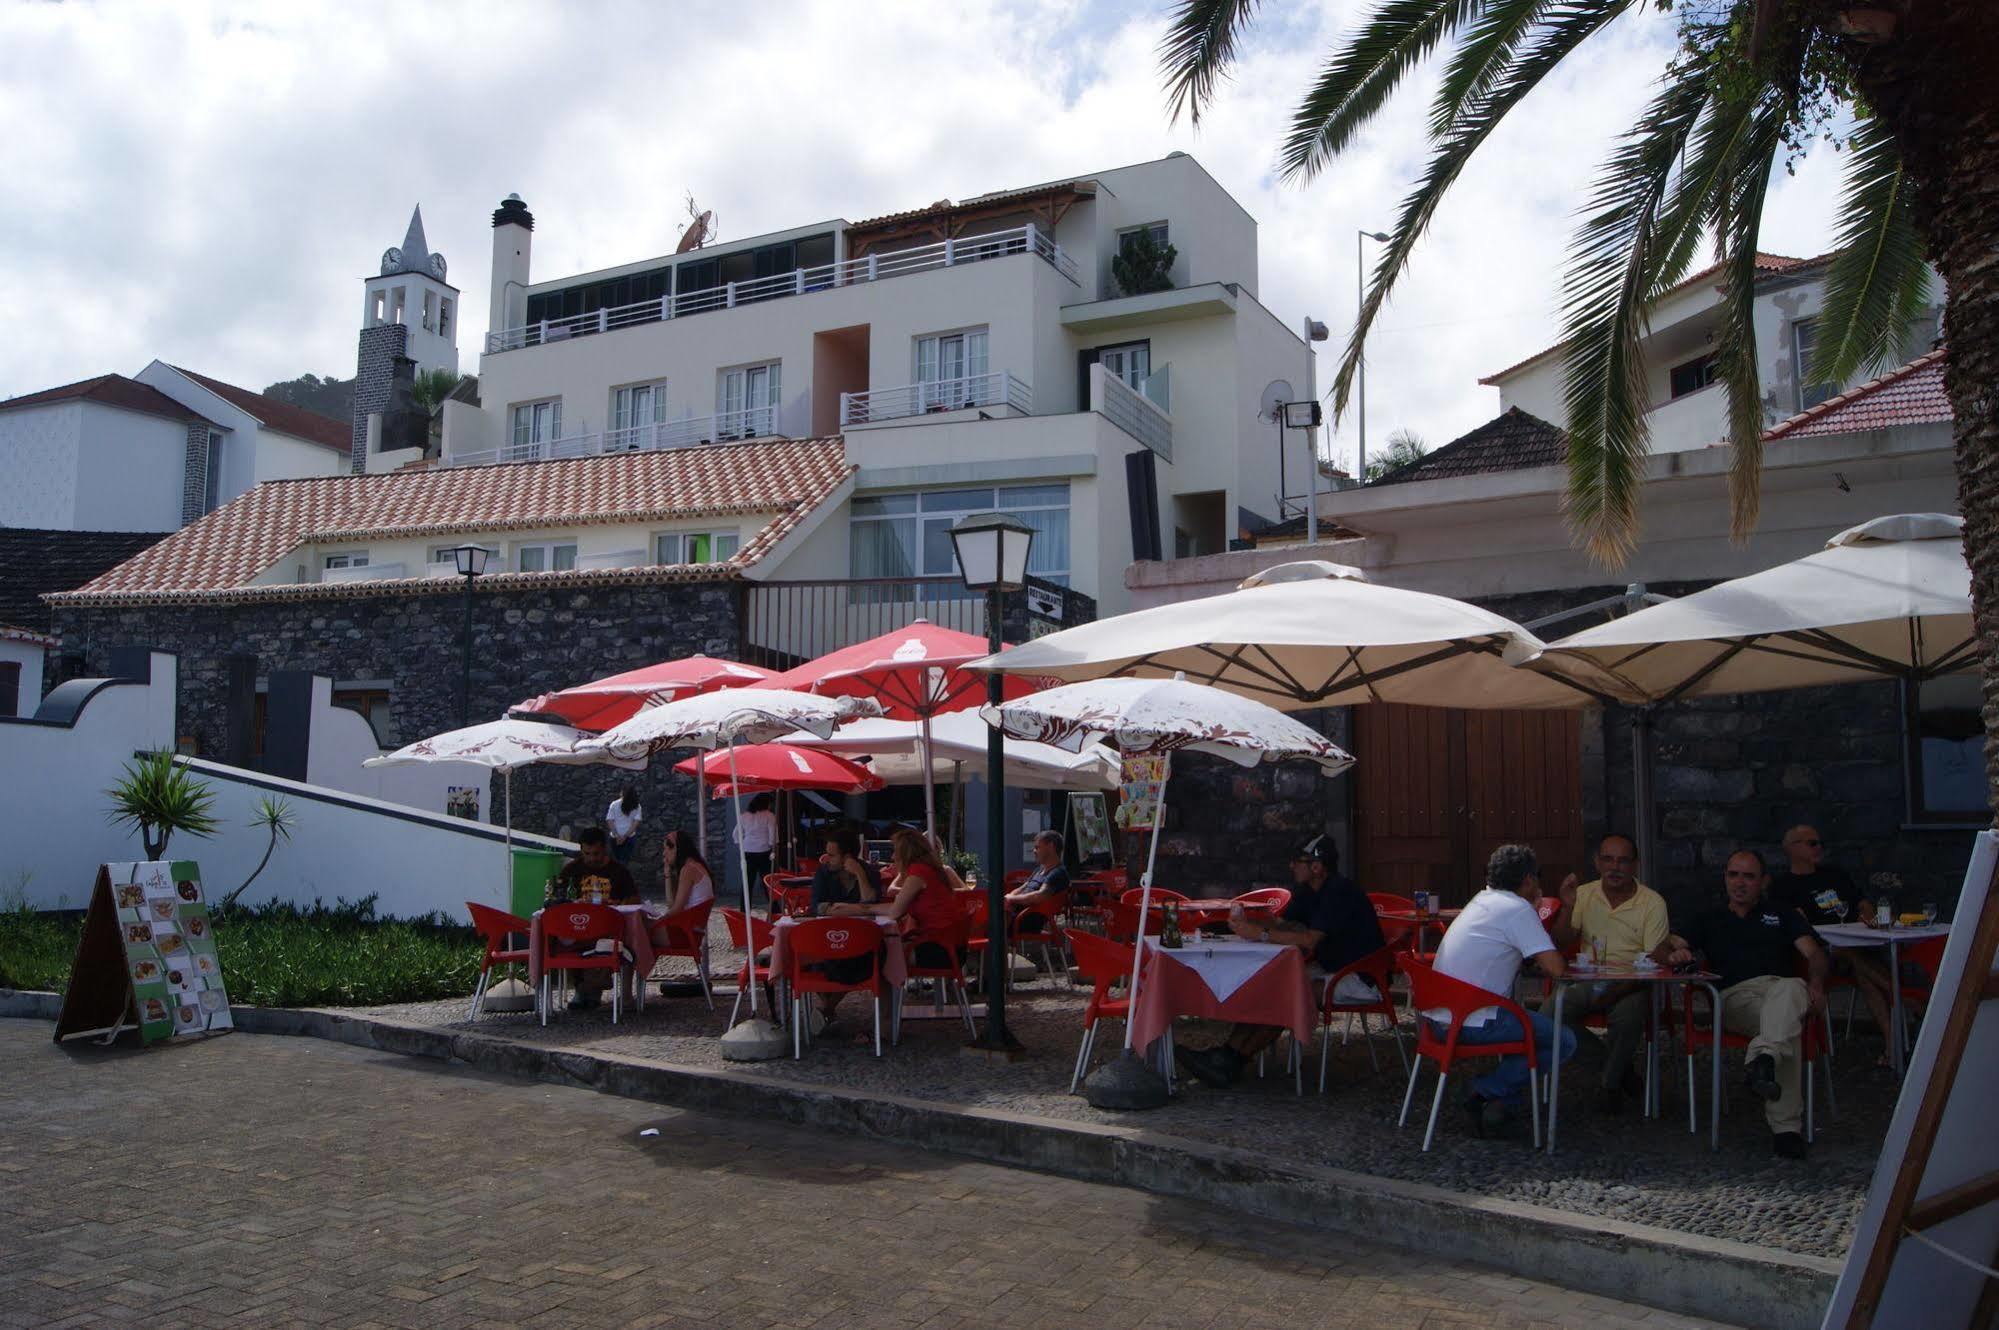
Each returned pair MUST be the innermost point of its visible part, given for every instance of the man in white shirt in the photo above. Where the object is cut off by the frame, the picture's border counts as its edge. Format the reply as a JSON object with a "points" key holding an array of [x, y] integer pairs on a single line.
{"points": [[1485, 947]]}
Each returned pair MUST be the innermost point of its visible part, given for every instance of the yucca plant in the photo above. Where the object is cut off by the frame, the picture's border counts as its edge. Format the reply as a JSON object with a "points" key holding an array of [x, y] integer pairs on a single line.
{"points": [[274, 816], [160, 796]]}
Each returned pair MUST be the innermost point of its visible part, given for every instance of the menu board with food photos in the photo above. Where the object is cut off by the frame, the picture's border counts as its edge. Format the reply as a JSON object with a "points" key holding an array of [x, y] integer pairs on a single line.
{"points": [[150, 921]]}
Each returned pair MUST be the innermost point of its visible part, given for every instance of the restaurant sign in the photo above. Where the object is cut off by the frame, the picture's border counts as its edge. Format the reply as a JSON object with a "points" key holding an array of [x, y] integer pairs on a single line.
{"points": [[147, 958]]}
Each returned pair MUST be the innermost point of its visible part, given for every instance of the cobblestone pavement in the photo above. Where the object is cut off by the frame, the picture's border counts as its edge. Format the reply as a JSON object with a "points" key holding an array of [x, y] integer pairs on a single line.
{"points": [[272, 1181]]}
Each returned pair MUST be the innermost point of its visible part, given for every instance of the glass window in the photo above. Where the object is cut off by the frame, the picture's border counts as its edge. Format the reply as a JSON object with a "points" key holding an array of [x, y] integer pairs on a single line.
{"points": [[1128, 237], [909, 535], [373, 706], [351, 559], [746, 401], [636, 413], [696, 546], [1131, 362], [1694, 375], [1804, 335], [951, 368], [545, 557], [1947, 750], [537, 422]]}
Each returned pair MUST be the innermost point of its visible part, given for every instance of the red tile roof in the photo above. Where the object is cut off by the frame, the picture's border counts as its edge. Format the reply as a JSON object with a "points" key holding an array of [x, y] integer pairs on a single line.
{"points": [[1911, 395], [1769, 264], [110, 390], [215, 558], [280, 416], [946, 208]]}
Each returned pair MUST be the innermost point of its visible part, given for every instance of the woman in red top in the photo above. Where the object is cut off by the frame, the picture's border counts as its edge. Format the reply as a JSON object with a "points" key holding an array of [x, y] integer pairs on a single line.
{"points": [[922, 894]]}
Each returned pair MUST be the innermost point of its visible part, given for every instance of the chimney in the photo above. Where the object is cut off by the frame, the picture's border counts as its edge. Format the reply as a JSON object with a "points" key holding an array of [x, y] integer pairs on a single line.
{"points": [[513, 242]]}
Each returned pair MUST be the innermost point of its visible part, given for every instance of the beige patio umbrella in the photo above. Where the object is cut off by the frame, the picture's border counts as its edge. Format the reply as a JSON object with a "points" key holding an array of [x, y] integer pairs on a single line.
{"points": [[1890, 598], [1314, 634]]}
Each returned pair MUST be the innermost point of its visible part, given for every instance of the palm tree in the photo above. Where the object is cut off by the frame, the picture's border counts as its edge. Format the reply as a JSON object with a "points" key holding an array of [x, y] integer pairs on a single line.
{"points": [[1404, 446], [431, 387], [1750, 81]]}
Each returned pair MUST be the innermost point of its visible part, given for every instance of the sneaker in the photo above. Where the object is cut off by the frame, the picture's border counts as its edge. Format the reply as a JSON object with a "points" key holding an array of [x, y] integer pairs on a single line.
{"points": [[1215, 1068], [1763, 1078], [1788, 1145]]}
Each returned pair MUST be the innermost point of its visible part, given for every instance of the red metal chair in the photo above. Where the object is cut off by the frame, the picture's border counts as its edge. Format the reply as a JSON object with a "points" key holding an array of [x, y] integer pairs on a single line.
{"points": [[1379, 968], [1429, 990], [1275, 900], [815, 941], [686, 934], [1105, 964], [755, 939], [582, 926], [951, 974], [496, 929]]}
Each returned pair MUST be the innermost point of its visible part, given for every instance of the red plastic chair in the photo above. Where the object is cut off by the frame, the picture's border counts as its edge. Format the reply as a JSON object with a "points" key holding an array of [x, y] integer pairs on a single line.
{"points": [[755, 938], [1379, 967], [808, 864], [1160, 896], [1048, 937], [1814, 1046], [1429, 989], [1545, 907], [686, 935], [951, 974], [580, 925], [1105, 964], [496, 929], [1399, 934], [1121, 922], [1273, 899], [815, 941], [788, 895]]}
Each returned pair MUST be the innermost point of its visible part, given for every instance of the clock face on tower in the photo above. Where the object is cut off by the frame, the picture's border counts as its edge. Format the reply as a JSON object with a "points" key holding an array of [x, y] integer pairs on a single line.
{"points": [[392, 260], [436, 266]]}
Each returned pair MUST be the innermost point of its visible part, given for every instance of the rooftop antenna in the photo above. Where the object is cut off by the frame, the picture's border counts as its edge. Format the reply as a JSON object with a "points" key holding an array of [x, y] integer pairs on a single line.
{"points": [[700, 227]]}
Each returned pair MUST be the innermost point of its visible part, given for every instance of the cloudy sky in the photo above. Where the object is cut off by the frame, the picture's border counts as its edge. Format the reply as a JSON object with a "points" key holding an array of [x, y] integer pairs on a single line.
{"points": [[208, 183]]}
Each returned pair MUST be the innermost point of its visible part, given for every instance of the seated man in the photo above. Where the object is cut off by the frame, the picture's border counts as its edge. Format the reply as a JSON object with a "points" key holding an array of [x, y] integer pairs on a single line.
{"points": [[1824, 894], [1328, 918], [1754, 947], [1046, 888], [1485, 947], [843, 877], [1625, 919], [593, 875]]}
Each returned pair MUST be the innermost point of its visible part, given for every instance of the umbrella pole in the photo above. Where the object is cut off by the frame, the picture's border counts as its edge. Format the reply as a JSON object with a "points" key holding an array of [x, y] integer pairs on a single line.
{"points": [[507, 866], [1641, 787], [700, 814], [1145, 891], [929, 785], [743, 867]]}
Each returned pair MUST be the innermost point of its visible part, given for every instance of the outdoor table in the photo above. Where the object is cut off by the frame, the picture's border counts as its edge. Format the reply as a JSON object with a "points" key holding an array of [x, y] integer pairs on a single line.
{"points": [[1254, 983], [637, 940], [1441, 919], [1866, 935], [1656, 978]]}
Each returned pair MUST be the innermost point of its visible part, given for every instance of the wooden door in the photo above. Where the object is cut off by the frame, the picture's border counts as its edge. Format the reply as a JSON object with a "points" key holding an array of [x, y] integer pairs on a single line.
{"points": [[1437, 789]]}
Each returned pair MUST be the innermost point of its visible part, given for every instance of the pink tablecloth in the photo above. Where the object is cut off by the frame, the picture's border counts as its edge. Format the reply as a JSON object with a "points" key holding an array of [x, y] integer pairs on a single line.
{"points": [[1276, 994], [895, 966], [637, 941]]}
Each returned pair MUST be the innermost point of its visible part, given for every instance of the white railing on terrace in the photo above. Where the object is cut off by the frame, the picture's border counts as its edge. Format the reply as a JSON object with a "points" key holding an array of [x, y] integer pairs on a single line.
{"points": [[754, 422], [1131, 411], [1029, 239], [998, 388]]}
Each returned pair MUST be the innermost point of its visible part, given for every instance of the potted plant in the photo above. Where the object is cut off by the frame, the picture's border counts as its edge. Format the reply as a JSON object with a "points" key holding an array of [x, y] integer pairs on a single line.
{"points": [[160, 796], [1143, 265]]}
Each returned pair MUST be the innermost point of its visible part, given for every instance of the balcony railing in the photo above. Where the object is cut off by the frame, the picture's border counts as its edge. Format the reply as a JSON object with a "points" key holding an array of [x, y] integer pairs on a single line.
{"points": [[1131, 411], [1028, 239], [997, 389], [756, 422]]}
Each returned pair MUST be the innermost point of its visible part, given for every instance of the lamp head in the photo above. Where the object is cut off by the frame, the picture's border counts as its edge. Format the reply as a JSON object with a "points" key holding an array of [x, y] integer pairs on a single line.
{"points": [[992, 551], [470, 560], [1302, 415]]}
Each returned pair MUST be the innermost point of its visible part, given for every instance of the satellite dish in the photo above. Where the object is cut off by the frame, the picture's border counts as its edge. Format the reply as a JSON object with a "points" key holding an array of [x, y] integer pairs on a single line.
{"points": [[1275, 394], [696, 234]]}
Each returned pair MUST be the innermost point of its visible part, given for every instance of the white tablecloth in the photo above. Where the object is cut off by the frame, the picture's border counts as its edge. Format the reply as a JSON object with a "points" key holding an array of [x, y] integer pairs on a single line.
{"points": [[1224, 965], [1860, 935]]}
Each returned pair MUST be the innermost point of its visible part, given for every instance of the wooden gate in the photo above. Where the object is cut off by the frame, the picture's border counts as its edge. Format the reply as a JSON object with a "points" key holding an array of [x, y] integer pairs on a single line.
{"points": [[1437, 789]]}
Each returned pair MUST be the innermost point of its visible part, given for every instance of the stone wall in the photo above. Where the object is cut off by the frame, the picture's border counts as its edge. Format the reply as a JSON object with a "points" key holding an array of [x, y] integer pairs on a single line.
{"points": [[374, 379], [194, 473]]}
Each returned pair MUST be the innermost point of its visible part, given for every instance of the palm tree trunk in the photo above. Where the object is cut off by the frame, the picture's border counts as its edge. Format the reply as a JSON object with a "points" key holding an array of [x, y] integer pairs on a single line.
{"points": [[1932, 84]]}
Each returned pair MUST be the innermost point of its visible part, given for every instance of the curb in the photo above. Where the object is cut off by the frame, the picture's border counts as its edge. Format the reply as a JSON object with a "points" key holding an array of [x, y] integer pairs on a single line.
{"points": [[1673, 1271]]}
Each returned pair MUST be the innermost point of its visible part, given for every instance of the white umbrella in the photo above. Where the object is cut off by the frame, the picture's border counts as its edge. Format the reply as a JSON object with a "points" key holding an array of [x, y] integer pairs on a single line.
{"points": [[1316, 634], [896, 747], [502, 745], [1889, 598], [1162, 717], [725, 719]]}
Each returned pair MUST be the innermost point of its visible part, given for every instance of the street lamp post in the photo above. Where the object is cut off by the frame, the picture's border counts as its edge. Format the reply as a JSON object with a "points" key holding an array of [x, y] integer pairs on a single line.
{"points": [[992, 557], [1359, 299], [470, 560]]}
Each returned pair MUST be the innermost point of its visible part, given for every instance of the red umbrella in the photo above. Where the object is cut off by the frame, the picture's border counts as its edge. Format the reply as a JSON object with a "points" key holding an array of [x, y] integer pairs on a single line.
{"points": [[608, 702], [764, 767]]}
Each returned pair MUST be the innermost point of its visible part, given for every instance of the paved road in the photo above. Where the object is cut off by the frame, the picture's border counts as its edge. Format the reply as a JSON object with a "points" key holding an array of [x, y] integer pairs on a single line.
{"points": [[269, 1181]]}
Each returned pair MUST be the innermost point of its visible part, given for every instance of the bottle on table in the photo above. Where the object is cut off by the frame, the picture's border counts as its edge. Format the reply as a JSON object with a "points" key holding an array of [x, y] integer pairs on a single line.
{"points": [[1170, 936]]}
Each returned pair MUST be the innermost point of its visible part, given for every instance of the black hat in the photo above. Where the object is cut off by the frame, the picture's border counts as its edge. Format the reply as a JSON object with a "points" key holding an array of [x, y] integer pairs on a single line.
{"points": [[1321, 848]]}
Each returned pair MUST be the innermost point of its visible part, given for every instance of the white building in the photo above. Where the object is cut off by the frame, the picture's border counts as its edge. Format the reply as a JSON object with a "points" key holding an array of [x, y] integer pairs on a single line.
{"points": [[973, 356], [22, 651]]}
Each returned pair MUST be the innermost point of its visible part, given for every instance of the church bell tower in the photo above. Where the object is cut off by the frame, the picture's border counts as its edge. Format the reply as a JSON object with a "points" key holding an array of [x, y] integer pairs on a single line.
{"points": [[409, 324]]}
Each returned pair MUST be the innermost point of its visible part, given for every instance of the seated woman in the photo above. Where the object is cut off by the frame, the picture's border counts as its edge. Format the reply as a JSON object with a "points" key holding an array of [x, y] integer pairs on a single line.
{"points": [[923, 895], [844, 878], [687, 880]]}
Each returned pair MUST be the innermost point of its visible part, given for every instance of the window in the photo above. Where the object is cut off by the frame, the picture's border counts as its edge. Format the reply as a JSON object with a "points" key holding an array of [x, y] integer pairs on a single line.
{"points": [[372, 704], [535, 424], [1804, 334], [444, 317], [1129, 236], [636, 413], [351, 559], [1946, 738], [909, 535], [442, 554], [746, 401], [695, 546], [551, 556], [10, 687], [951, 369], [430, 311], [1694, 375], [211, 496], [1131, 362]]}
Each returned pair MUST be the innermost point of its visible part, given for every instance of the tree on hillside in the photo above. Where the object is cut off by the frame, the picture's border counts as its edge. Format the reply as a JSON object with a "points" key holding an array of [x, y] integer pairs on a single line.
{"points": [[1404, 446], [431, 387], [329, 397], [1752, 82]]}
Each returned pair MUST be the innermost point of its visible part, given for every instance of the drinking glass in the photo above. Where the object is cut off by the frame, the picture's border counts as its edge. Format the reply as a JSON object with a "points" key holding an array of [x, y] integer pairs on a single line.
{"points": [[1929, 912], [1839, 909]]}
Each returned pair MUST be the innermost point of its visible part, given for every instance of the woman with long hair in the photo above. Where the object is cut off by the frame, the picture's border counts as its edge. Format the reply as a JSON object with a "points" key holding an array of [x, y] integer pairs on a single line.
{"points": [[756, 831], [687, 879], [922, 893]]}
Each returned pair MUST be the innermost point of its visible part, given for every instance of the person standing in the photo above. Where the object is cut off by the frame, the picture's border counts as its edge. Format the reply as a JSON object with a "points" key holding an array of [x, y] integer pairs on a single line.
{"points": [[1621, 918], [1824, 894], [621, 820], [756, 832]]}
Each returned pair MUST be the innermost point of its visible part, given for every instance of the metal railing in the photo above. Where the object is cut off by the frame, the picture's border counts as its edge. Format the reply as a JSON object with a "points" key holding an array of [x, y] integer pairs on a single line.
{"points": [[1029, 239], [785, 623], [756, 422], [998, 388], [1131, 411]]}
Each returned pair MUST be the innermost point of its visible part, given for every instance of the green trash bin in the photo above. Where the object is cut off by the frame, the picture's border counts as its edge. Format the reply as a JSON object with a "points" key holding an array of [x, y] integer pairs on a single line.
{"points": [[533, 867]]}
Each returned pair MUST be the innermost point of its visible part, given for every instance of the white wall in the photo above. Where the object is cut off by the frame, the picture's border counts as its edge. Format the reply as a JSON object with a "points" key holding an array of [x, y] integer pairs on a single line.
{"points": [[1215, 237], [38, 449], [342, 740], [282, 457], [29, 656], [132, 468]]}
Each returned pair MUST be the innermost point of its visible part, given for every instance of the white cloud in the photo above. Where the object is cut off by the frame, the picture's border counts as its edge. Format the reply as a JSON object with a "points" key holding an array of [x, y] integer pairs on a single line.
{"points": [[209, 183]]}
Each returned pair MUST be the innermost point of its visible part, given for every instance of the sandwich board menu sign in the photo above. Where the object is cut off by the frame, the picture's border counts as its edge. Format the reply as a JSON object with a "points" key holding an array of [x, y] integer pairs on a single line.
{"points": [[1091, 823], [147, 958]]}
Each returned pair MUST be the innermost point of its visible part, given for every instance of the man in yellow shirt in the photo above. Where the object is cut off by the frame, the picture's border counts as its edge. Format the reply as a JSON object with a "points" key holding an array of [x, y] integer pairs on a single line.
{"points": [[1625, 919]]}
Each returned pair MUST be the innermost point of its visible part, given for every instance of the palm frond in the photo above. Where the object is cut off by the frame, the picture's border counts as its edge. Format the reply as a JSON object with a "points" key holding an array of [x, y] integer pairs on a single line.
{"points": [[1357, 82], [1694, 208], [1199, 47], [1482, 58], [1570, 24], [1876, 284], [1744, 188], [1613, 270]]}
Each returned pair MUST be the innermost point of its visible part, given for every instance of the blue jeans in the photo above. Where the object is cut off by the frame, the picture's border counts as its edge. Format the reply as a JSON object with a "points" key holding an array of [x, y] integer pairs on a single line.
{"points": [[1508, 1081]]}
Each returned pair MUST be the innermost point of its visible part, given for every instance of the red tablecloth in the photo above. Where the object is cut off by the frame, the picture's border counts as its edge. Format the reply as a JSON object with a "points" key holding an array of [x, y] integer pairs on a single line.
{"points": [[637, 941], [895, 966], [1277, 994]]}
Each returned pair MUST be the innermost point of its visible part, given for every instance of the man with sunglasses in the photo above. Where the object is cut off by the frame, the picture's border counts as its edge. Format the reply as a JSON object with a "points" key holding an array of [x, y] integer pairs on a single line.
{"points": [[1818, 890]]}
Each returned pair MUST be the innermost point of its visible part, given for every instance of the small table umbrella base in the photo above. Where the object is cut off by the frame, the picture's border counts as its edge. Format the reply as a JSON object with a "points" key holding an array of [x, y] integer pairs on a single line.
{"points": [[755, 1040], [509, 995], [1126, 1082]]}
